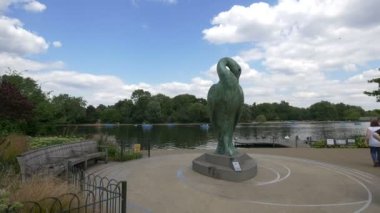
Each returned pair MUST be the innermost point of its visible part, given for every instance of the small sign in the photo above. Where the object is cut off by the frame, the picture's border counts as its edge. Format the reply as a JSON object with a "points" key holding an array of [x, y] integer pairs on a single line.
{"points": [[330, 142], [136, 148], [341, 142], [350, 141], [236, 166]]}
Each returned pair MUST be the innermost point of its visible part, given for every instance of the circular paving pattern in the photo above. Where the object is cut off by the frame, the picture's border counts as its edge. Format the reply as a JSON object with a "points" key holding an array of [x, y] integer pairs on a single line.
{"points": [[168, 184]]}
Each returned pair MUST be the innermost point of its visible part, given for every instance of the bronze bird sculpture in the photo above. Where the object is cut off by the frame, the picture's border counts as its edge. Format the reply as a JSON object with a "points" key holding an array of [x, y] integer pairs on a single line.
{"points": [[225, 100]]}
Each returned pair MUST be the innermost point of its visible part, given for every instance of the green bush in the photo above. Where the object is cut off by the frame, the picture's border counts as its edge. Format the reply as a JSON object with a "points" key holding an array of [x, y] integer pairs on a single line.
{"points": [[6, 205], [112, 151], [129, 155], [360, 142], [319, 144]]}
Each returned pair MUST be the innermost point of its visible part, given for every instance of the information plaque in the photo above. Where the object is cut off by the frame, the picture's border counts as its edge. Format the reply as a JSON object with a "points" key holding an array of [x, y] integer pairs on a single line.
{"points": [[236, 166]]}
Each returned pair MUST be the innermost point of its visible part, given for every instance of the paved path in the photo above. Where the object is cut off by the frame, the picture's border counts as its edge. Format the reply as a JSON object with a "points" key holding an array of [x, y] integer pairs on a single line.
{"points": [[288, 180]]}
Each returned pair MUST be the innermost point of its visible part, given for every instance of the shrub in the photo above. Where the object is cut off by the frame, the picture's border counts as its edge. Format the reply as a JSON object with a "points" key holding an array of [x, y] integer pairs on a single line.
{"points": [[6, 205], [129, 155], [10, 147], [319, 144], [38, 189], [360, 142], [114, 153]]}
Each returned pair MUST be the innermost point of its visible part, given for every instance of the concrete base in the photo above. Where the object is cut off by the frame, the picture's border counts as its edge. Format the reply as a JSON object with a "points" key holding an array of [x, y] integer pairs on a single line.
{"points": [[220, 166]]}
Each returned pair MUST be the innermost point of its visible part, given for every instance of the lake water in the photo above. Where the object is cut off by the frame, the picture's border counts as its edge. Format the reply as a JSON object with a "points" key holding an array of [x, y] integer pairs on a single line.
{"points": [[200, 136]]}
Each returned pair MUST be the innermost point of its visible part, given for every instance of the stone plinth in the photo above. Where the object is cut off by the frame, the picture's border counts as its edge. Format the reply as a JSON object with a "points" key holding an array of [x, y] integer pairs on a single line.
{"points": [[221, 167]]}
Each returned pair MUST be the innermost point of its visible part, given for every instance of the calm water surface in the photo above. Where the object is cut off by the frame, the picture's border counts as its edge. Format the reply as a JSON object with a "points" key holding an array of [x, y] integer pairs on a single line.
{"points": [[200, 137]]}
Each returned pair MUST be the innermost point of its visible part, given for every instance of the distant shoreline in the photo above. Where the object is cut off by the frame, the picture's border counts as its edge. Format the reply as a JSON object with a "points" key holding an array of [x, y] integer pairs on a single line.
{"points": [[185, 124]]}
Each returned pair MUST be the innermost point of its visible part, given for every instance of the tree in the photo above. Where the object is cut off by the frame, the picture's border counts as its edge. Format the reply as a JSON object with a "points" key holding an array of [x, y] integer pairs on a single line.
{"points": [[138, 94], [282, 110], [181, 107], [125, 107], [166, 106], [183, 100], [352, 114], [245, 114], [153, 112], [110, 115], [42, 113], [68, 109], [268, 110], [29, 88], [375, 93], [13, 105], [261, 118], [140, 99], [198, 112], [92, 115], [323, 111]]}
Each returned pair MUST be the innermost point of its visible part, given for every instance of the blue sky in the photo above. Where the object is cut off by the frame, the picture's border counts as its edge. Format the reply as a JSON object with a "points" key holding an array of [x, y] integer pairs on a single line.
{"points": [[301, 52], [135, 40]]}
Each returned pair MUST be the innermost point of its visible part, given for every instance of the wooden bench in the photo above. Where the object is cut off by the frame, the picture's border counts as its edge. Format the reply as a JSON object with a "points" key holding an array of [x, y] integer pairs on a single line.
{"points": [[59, 158]]}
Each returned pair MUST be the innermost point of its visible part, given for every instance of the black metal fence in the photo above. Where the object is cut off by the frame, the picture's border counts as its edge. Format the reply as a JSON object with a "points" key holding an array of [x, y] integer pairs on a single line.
{"points": [[97, 194]]}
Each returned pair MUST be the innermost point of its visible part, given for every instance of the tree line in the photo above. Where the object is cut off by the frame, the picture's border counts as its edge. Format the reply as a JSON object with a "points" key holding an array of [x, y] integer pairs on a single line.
{"points": [[26, 108]]}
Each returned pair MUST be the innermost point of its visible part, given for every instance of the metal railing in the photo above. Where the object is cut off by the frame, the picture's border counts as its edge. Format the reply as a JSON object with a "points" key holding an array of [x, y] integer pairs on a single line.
{"points": [[97, 194]]}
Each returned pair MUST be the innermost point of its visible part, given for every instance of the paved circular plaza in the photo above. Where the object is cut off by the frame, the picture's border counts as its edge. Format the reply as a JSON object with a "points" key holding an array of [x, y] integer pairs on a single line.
{"points": [[167, 183]]}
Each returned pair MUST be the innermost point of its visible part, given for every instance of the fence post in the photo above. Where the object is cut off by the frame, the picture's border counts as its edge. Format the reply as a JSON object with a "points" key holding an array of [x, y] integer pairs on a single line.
{"points": [[123, 196], [148, 148], [81, 180]]}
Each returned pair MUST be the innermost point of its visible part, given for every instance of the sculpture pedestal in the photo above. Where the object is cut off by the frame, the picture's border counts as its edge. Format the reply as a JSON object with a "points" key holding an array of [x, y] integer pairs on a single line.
{"points": [[221, 166]]}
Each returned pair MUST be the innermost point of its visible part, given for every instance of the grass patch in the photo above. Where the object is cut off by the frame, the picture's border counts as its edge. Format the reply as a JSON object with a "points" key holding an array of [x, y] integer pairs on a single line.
{"points": [[14, 194], [10, 147], [40, 142], [38, 188]]}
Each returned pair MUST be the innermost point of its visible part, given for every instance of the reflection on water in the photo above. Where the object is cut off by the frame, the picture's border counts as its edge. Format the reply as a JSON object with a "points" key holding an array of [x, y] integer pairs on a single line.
{"points": [[200, 135]]}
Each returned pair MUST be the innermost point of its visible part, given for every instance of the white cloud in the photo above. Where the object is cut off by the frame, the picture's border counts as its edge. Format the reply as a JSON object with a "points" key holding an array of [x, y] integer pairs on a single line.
{"points": [[15, 39], [18, 63], [28, 5], [320, 34], [108, 89], [34, 6], [252, 54], [4, 4], [297, 43], [17, 43], [57, 44]]}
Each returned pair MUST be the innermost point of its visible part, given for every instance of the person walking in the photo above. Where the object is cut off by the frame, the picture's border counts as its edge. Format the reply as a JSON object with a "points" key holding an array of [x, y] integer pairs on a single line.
{"points": [[373, 143]]}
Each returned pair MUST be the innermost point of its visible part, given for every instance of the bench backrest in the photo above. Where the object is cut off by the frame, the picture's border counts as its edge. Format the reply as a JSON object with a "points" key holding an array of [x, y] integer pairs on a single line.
{"points": [[31, 161]]}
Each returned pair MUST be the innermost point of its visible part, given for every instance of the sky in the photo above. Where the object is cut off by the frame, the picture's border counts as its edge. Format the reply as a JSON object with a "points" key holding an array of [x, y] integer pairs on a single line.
{"points": [[298, 51]]}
